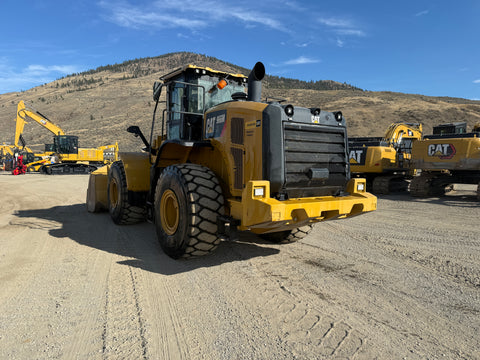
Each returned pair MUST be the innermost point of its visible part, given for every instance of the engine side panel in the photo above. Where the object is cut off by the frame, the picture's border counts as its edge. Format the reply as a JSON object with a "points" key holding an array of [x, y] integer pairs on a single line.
{"points": [[447, 153]]}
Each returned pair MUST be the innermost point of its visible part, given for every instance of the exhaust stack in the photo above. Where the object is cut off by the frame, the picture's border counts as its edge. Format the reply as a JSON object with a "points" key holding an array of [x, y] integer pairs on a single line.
{"points": [[255, 82]]}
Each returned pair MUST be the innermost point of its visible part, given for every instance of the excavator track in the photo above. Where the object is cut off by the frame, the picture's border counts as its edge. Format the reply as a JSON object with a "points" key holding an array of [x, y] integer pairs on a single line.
{"points": [[389, 184], [66, 169], [428, 184]]}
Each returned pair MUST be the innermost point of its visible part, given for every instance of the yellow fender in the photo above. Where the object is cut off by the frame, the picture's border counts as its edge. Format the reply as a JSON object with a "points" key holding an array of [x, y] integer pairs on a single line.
{"points": [[137, 171]]}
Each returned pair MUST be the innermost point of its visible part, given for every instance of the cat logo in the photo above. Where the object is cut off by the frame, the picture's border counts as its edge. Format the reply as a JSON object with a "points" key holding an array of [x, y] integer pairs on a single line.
{"points": [[215, 124], [356, 157], [443, 151]]}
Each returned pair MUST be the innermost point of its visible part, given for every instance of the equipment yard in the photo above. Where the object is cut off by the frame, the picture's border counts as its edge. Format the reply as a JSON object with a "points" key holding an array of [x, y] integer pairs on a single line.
{"points": [[401, 282]]}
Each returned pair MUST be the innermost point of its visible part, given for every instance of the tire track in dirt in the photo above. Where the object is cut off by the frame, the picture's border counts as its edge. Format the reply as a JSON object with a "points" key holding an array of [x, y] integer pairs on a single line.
{"points": [[88, 315], [372, 264], [161, 328], [123, 333], [308, 330], [165, 331], [433, 249], [288, 308]]}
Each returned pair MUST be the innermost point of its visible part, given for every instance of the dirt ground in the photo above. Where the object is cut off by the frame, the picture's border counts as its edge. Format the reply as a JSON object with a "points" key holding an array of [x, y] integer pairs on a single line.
{"points": [[399, 283]]}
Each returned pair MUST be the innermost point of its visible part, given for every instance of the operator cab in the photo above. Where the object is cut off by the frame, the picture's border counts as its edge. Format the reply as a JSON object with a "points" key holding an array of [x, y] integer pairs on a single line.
{"points": [[191, 91], [65, 144], [450, 129]]}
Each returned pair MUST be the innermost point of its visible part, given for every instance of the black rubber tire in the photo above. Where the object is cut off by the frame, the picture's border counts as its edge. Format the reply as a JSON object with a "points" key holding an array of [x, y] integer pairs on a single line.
{"points": [[120, 210], [478, 191], [188, 200], [288, 236]]}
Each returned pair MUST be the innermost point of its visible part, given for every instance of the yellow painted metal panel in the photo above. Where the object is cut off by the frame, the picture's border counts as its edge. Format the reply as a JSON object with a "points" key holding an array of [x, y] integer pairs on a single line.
{"points": [[264, 214], [137, 170]]}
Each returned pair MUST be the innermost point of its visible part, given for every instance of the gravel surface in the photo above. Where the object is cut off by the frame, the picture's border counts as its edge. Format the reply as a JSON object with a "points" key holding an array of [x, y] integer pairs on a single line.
{"points": [[402, 282]]}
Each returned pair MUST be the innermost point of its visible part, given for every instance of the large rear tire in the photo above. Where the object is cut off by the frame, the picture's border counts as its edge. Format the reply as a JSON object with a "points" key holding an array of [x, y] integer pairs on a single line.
{"points": [[120, 210], [288, 236], [188, 200]]}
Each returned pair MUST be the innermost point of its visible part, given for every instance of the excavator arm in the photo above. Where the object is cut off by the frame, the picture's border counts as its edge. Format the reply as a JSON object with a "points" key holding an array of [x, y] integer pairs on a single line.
{"points": [[397, 131], [24, 112]]}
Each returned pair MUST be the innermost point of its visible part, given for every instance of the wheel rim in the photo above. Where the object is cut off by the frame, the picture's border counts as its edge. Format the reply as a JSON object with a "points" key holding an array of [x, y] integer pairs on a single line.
{"points": [[113, 193], [169, 212]]}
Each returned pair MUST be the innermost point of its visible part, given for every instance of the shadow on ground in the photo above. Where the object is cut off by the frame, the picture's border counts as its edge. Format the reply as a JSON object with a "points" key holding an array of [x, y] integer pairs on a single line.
{"points": [[138, 243], [453, 198]]}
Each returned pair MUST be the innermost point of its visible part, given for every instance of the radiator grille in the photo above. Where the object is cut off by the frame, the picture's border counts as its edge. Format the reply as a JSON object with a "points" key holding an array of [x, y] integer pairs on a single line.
{"points": [[315, 147], [237, 131], [237, 154]]}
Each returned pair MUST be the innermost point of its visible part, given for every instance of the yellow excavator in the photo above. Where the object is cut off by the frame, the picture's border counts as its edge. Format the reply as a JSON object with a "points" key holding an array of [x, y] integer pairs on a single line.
{"points": [[221, 161], [450, 155], [63, 156], [385, 161], [7, 154]]}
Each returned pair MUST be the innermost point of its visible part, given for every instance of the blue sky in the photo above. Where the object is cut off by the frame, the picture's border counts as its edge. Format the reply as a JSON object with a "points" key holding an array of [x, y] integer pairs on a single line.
{"points": [[422, 47]]}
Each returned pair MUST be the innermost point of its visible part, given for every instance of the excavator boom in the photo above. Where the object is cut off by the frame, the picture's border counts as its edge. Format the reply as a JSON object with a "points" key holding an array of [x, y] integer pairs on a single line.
{"points": [[399, 130], [24, 112]]}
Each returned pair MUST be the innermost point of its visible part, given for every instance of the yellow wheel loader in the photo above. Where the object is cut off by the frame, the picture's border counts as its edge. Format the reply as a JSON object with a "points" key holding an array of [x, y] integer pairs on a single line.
{"points": [[385, 162], [221, 161], [451, 155]]}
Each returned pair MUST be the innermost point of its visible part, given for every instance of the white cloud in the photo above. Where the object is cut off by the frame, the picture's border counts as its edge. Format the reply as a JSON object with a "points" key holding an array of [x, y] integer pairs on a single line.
{"points": [[41, 70], [336, 22], [12, 79], [185, 14], [301, 60], [342, 27], [476, 81], [130, 17], [348, 32], [422, 13]]}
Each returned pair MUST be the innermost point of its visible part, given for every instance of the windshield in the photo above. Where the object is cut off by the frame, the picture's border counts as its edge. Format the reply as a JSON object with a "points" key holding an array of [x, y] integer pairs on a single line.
{"points": [[215, 96]]}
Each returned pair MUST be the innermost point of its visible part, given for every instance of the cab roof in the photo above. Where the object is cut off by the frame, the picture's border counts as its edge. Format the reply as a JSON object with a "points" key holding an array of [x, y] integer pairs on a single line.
{"points": [[202, 70]]}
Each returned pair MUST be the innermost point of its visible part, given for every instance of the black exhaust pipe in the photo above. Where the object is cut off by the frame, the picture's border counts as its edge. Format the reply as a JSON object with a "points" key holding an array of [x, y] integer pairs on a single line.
{"points": [[255, 82]]}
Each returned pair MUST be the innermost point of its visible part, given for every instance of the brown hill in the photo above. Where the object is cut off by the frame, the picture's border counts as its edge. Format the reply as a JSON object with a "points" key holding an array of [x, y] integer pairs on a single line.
{"points": [[98, 105]]}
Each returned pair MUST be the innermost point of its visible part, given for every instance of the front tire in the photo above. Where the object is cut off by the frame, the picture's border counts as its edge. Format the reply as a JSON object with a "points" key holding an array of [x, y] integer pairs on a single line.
{"points": [[120, 210], [188, 200]]}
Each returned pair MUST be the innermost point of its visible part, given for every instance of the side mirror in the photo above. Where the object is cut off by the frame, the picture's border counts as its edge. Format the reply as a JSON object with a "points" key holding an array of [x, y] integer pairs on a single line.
{"points": [[157, 89], [134, 130]]}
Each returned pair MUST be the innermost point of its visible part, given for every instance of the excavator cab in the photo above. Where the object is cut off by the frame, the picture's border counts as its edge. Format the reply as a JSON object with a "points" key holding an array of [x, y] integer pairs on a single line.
{"points": [[450, 129], [65, 144]]}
